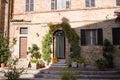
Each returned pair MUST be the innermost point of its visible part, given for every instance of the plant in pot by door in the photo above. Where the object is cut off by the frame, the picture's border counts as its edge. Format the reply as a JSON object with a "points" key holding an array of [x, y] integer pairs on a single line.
{"points": [[74, 63], [74, 56], [101, 64], [81, 62], [34, 63], [41, 64], [54, 59], [35, 55], [3, 60]]}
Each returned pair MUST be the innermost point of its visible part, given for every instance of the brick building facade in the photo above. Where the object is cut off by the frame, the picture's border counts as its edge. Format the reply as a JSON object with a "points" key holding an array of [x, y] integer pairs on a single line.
{"points": [[93, 20]]}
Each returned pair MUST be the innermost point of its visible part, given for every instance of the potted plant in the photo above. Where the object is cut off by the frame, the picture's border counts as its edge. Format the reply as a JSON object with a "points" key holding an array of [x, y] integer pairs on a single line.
{"points": [[4, 50], [41, 64], [74, 63], [34, 63], [3, 61], [35, 55], [81, 62], [101, 64], [54, 59]]}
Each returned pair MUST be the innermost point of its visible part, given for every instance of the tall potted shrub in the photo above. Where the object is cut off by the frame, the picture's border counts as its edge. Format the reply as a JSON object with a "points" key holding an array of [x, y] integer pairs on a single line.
{"points": [[4, 50], [35, 55]]}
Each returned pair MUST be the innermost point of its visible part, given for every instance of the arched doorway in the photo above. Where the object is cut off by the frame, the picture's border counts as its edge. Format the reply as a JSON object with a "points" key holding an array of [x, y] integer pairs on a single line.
{"points": [[59, 44]]}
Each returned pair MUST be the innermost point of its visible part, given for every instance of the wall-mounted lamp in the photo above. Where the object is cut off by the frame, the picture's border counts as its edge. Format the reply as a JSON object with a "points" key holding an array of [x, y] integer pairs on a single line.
{"points": [[37, 34]]}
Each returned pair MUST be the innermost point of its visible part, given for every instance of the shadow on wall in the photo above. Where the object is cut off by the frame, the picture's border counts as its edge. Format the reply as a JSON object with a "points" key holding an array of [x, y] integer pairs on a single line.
{"points": [[99, 31], [3, 3]]}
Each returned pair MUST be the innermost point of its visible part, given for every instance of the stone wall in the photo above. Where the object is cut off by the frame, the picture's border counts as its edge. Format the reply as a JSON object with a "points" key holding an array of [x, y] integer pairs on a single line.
{"points": [[80, 17]]}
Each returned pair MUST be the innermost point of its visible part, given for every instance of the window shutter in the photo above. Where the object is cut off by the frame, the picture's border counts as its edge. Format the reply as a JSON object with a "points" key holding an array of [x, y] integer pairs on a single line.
{"points": [[87, 3], [67, 4], [83, 39], [92, 3], [100, 36], [52, 4], [116, 36], [27, 5], [118, 2], [31, 5]]}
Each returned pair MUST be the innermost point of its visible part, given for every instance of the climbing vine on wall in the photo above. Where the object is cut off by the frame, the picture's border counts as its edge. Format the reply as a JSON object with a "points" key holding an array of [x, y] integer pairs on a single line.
{"points": [[46, 42], [73, 39]]}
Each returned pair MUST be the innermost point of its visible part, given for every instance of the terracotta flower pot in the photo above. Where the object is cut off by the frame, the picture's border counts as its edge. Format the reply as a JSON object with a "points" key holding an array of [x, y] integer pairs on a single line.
{"points": [[2, 65], [54, 60]]}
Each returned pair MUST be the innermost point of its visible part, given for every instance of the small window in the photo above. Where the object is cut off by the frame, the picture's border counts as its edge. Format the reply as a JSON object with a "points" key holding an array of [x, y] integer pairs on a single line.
{"points": [[90, 3], [116, 36], [118, 2], [60, 4], [29, 5], [23, 31], [91, 37]]}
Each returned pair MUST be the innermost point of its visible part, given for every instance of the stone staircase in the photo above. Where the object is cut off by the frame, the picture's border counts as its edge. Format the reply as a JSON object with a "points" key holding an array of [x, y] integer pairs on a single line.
{"points": [[55, 74], [81, 75], [60, 64]]}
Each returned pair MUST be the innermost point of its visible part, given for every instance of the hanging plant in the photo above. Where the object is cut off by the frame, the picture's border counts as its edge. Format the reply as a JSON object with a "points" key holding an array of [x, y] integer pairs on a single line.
{"points": [[117, 14]]}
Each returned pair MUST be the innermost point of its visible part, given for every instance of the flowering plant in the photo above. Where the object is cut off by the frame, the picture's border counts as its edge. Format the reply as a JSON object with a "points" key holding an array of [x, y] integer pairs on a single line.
{"points": [[117, 18], [54, 59]]}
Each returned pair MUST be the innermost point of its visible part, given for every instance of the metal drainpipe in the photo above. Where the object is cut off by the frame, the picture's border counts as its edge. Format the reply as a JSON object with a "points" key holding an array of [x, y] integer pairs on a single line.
{"points": [[8, 26]]}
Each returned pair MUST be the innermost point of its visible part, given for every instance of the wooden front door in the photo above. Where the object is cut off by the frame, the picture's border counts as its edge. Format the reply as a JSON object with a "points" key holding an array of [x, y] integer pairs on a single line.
{"points": [[23, 47], [59, 42]]}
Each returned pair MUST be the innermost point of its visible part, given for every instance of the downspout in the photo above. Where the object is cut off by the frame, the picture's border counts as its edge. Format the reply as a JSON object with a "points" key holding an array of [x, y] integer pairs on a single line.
{"points": [[8, 22]]}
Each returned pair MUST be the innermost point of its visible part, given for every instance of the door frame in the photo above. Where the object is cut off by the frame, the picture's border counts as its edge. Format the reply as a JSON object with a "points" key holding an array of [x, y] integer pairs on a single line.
{"points": [[54, 44], [20, 46]]}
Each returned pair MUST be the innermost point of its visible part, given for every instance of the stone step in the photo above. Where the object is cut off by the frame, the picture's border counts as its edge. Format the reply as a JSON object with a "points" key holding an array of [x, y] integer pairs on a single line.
{"points": [[81, 74], [57, 76], [58, 65], [57, 71], [99, 72]]}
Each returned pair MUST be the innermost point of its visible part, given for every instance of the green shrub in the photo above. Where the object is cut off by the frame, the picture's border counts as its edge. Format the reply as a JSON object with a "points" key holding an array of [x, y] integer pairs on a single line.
{"points": [[101, 63], [4, 49], [34, 60], [68, 75], [13, 73], [81, 60], [34, 51], [46, 50], [107, 53]]}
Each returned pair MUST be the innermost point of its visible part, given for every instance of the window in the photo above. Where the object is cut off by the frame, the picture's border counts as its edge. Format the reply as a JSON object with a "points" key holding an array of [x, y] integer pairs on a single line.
{"points": [[90, 3], [116, 36], [91, 37], [29, 5], [118, 2], [60, 4], [23, 30]]}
